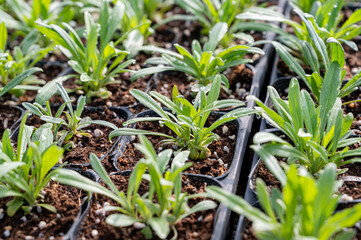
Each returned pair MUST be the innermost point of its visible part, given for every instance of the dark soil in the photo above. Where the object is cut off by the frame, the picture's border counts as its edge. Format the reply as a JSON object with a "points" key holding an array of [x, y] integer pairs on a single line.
{"points": [[248, 233], [8, 116], [215, 165], [240, 80], [196, 226], [65, 199], [85, 145]]}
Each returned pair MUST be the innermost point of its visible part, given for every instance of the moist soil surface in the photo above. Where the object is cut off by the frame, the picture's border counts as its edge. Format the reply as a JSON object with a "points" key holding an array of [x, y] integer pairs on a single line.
{"points": [[196, 226], [97, 143], [240, 80], [65, 199], [217, 164], [8, 116]]}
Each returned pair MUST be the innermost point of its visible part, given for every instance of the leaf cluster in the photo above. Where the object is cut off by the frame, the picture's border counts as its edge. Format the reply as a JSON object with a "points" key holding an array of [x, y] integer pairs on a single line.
{"points": [[160, 215], [24, 173], [64, 129], [16, 62], [304, 210], [319, 134], [201, 64], [98, 61], [186, 120]]}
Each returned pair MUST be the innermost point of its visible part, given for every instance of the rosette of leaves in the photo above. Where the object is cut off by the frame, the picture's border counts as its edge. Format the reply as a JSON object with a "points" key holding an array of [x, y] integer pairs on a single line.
{"points": [[17, 66], [98, 61], [24, 173], [305, 209], [186, 120], [65, 129], [160, 208], [201, 64], [319, 134]]}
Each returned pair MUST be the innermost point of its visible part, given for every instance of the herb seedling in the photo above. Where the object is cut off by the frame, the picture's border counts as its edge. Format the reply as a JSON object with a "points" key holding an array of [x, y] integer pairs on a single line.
{"points": [[18, 67], [320, 135], [304, 210], [209, 13], [202, 64], [160, 216], [73, 123], [325, 23], [25, 14], [98, 61], [187, 121], [26, 172]]}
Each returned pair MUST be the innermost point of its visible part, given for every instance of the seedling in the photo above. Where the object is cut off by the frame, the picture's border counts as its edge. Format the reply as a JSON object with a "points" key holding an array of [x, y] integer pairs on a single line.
{"points": [[202, 65], [73, 123], [320, 135], [160, 215], [26, 172], [304, 210], [186, 120], [98, 61]]}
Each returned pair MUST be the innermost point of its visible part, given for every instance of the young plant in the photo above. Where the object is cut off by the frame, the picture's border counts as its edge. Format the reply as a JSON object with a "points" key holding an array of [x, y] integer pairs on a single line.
{"points": [[25, 14], [72, 125], [185, 119], [320, 135], [325, 23], [160, 215], [209, 13], [26, 172], [202, 64], [335, 63], [304, 210], [97, 62], [23, 58]]}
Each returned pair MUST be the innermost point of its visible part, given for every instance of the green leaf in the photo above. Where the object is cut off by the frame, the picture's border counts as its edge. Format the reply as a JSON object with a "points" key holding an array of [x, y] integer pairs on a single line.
{"points": [[271, 163], [329, 91], [49, 159], [148, 71], [160, 226], [315, 38], [337, 52], [264, 137], [237, 204], [72, 178], [99, 169], [120, 220], [14, 207], [204, 205], [311, 56], [49, 89], [18, 79], [131, 131], [47, 207], [5, 192], [264, 199], [3, 36], [215, 36], [149, 102], [291, 62]]}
